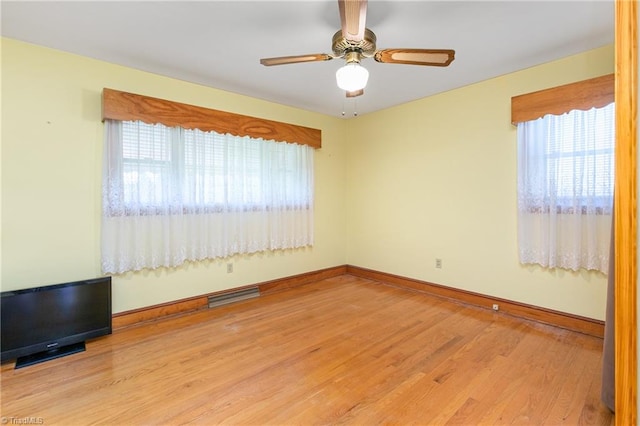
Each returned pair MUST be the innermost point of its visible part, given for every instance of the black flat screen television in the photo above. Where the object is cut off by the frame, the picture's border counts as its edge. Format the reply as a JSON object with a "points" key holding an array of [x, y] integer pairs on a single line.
{"points": [[43, 323]]}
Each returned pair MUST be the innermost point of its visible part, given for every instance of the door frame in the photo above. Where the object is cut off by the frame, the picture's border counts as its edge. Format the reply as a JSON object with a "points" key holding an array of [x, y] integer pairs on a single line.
{"points": [[625, 212]]}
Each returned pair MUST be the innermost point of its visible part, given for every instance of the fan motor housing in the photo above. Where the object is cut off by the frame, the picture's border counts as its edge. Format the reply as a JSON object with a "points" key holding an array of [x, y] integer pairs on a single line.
{"points": [[366, 47]]}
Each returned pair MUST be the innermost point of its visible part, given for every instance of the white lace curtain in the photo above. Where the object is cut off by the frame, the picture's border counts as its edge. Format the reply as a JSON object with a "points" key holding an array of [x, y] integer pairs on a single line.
{"points": [[565, 189], [172, 195]]}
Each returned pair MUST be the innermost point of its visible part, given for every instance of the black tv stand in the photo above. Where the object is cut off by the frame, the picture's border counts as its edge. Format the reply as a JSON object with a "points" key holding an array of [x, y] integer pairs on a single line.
{"points": [[25, 361]]}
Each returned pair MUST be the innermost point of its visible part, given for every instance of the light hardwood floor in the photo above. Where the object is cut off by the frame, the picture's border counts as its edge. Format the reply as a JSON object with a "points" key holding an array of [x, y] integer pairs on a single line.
{"points": [[340, 351]]}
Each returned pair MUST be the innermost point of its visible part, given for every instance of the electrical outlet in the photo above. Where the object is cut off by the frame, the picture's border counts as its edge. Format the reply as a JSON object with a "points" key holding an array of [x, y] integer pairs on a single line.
{"points": [[495, 307], [439, 263], [229, 268]]}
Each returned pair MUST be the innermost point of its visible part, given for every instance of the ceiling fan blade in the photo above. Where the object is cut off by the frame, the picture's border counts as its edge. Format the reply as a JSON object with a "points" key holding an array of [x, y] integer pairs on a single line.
{"points": [[353, 16], [433, 57], [282, 60], [355, 93]]}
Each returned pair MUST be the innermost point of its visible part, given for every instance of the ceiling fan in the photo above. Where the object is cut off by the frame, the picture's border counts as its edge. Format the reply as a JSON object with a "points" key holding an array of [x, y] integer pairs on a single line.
{"points": [[355, 42]]}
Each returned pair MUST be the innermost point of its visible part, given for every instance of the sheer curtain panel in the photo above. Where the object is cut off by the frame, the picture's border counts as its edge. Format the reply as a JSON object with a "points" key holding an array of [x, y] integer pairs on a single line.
{"points": [[172, 195], [565, 189]]}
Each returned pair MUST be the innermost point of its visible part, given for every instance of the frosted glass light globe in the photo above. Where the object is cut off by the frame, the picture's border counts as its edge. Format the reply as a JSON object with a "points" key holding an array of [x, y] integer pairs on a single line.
{"points": [[352, 77]]}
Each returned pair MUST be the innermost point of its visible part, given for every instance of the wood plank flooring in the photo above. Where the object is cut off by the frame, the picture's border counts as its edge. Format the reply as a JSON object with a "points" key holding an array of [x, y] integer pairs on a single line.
{"points": [[339, 351]]}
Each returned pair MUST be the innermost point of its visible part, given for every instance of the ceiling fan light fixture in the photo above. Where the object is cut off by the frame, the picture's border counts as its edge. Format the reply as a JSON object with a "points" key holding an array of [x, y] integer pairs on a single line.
{"points": [[352, 77], [355, 42]]}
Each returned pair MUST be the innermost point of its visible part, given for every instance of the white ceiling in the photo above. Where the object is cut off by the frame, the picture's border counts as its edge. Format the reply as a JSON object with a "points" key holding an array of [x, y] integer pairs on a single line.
{"points": [[220, 43]]}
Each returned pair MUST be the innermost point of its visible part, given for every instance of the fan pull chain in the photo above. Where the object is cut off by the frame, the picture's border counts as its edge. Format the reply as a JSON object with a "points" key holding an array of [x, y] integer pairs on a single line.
{"points": [[355, 108]]}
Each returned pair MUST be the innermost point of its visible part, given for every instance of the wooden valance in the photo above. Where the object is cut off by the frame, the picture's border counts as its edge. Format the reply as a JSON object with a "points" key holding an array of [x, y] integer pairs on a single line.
{"points": [[123, 106], [584, 95]]}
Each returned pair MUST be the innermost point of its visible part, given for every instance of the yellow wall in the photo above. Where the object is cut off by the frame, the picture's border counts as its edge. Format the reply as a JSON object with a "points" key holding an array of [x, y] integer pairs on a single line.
{"points": [[394, 189], [436, 178], [51, 179]]}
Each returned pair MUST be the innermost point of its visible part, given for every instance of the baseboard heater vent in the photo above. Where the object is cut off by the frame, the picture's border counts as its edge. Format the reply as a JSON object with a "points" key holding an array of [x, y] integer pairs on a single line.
{"points": [[234, 296]]}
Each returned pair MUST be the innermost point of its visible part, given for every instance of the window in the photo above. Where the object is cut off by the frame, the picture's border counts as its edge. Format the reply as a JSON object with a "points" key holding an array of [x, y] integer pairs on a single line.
{"points": [[565, 174], [172, 195], [567, 161], [199, 183], [565, 189], [167, 170]]}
